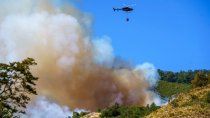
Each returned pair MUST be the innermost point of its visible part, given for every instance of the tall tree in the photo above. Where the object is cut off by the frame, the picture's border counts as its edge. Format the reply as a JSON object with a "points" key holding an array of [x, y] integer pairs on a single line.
{"points": [[200, 79], [16, 84]]}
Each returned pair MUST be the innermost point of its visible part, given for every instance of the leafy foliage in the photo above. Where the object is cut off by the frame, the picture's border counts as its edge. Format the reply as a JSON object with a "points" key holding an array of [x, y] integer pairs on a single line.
{"points": [[167, 89], [117, 111], [16, 83]]}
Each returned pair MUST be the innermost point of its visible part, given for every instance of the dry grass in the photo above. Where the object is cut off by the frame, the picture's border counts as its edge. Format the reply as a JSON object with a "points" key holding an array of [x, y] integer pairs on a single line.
{"points": [[188, 105], [92, 115]]}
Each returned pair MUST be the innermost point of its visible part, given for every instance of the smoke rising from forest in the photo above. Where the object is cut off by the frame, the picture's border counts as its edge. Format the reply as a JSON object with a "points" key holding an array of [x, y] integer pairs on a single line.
{"points": [[74, 69]]}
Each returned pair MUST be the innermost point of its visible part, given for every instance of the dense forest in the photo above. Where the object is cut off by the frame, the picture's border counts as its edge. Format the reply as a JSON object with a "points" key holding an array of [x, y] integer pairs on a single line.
{"points": [[180, 77]]}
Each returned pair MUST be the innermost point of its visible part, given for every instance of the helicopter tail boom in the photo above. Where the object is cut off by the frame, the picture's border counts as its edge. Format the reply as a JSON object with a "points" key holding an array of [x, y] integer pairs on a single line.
{"points": [[116, 9]]}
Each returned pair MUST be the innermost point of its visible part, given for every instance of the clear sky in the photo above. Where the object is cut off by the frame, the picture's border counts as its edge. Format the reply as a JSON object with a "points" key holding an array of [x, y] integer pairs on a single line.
{"points": [[171, 34]]}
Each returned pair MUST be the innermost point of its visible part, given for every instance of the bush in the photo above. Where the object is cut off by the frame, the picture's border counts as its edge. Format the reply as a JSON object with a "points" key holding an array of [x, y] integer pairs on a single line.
{"points": [[79, 115]]}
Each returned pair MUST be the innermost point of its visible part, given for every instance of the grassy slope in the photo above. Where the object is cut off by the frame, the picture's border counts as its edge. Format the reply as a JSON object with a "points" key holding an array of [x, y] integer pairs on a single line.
{"points": [[167, 89], [192, 104]]}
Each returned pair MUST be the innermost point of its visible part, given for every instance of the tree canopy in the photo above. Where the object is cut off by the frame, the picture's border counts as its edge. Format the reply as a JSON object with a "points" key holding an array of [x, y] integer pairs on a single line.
{"points": [[180, 77], [201, 79], [121, 111], [16, 84]]}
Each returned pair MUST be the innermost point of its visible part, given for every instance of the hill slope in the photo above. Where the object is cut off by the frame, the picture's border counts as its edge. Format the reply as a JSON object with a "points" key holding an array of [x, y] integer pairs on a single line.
{"points": [[193, 104], [167, 89]]}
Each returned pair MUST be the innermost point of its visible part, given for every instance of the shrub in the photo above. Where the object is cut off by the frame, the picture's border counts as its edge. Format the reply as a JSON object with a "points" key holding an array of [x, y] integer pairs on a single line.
{"points": [[79, 115]]}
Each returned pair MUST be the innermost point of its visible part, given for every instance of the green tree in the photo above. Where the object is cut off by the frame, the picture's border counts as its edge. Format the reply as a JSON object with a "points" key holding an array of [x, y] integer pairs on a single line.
{"points": [[200, 79], [16, 84], [121, 111], [112, 111]]}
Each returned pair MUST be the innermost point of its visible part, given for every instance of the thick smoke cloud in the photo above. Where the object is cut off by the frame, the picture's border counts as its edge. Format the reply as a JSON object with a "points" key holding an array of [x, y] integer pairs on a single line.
{"points": [[73, 69], [44, 108]]}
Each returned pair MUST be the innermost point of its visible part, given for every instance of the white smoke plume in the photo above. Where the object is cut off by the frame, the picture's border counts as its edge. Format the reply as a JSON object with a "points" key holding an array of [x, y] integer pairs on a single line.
{"points": [[73, 69], [150, 73], [43, 108]]}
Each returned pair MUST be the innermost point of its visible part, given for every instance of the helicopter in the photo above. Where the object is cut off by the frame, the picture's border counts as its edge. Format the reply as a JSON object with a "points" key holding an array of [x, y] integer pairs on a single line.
{"points": [[127, 9]]}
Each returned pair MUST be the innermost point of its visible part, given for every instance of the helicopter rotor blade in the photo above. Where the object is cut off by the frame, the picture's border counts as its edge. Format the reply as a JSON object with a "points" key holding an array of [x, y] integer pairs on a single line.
{"points": [[132, 5]]}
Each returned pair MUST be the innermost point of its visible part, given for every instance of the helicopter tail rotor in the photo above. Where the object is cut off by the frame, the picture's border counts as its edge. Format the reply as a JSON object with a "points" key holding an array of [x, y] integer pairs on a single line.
{"points": [[114, 9]]}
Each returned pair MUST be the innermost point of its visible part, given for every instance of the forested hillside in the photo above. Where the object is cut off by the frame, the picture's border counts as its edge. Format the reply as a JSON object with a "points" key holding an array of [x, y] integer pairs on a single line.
{"points": [[180, 77]]}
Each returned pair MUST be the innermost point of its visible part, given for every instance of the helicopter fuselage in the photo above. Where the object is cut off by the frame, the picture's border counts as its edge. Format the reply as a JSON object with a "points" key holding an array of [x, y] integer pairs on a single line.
{"points": [[127, 9]]}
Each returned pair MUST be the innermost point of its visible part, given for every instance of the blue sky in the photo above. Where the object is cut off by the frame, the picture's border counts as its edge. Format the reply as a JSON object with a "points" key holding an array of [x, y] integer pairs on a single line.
{"points": [[171, 34]]}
